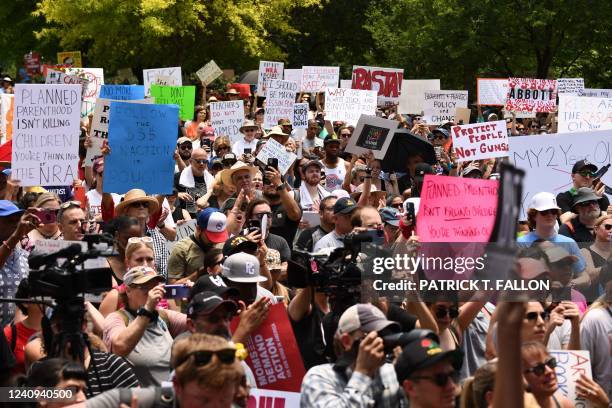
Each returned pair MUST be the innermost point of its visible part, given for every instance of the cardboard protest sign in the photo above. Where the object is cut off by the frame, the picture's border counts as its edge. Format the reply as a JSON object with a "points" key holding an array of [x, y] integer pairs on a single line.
{"points": [[372, 133], [46, 129], [262, 398], [456, 209], [227, 118], [579, 113], [71, 58], [59, 77], [531, 95], [209, 72], [273, 149], [412, 98], [268, 70], [274, 356], [440, 106], [462, 116], [346, 83], [57, 67], [149, 77], [182, 231], [476, 141], [293, 75], [491, 91], [571, 364], [243, 89], [548, 160], [347, 105], [280, 96], [300, 116], [597, 93], [142, 139], [316, 79], [122, 92], [183, 96], [95, 76], [574, 86], [387, 82], [7, 109]]}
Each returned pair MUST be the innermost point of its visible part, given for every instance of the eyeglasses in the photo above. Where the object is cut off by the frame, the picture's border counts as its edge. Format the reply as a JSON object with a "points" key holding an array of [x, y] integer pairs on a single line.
{"points": [[531, 316], [186, 147], [345, 135], [440, 379], [586, 173], [140, 204], [520, 128], [441, 312], [203, 357], [587, 203], [541, 368], [222, 148], [439, 137], [137, 240], [250, 130], [200, 161], [549, 212], [68, 204], [260, 215]]}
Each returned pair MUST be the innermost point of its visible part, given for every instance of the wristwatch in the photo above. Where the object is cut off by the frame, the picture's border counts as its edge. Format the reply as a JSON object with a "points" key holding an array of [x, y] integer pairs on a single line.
{"points": [[280, 187], [144, 312]]}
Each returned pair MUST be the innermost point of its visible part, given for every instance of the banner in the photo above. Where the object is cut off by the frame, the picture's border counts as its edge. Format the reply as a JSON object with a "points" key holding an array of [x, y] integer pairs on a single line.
{"points": [[142, 139], [262, 398], [293, 75], [7, 108], [182, 231], [149, 77], [372, 133], [597, 93], [273, 149], [59, 77], [476, 141], [412, 98], [316, 79], [440, 106], [71, 58], [387, 82], [491, 91], [580, 114], [122, 92], [300, 115], [531, 95], [183, 96], [274, 356], [574, 86], [227, 118], [209, 72], [456, 209], [46, 129], [347, 105], [571, 364], [95, 76], [268, 70], [280, 96]]}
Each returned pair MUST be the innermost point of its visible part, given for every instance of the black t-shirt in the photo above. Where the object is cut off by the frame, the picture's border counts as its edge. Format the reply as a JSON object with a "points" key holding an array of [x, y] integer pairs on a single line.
{"points": [[565, 201], [581, 234], [307, 238], [280, 244], [406, 320], [309, 333], [282, 225], [199, 190]]}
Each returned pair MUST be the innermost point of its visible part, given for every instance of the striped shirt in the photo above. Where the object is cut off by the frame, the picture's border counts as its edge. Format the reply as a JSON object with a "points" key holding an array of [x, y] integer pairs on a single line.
{"points": [[112, 372]]}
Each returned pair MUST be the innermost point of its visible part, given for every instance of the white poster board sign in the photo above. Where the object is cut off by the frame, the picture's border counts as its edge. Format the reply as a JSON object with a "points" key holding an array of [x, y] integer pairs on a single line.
{"points": [[372, 133], [227, 118], [571, 364], [273, 149], [293, 75], [573, 86], [440, 106], [580, 113], [345, 83], [280, 97], [347, 105], [182, 231], [268, 70], [491, 91], [597, 93], [476, 141], [316, 79], [412, 97], [209, 72], [150, 77], [300, 115], [95, 78]]}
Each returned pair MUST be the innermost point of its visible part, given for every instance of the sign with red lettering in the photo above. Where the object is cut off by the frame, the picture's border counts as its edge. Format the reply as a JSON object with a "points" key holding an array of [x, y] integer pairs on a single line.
{"points": [[274, 356], [477, 141], [387, 82], [260, 398], [571, 364], [268, 70], [531, 95], [32, 63], [316, 79]]}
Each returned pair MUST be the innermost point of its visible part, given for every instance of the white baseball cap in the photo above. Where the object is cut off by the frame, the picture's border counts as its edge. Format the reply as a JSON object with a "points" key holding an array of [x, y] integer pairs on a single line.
{"points": [[544, 201]]}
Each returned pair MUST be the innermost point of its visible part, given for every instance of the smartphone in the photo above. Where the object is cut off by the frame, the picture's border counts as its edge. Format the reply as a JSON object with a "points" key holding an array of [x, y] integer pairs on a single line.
{"points": [[410, 211], [599, 174], [254, 224], [176, 291], [46, 216], [273, 162], [247, 150]]}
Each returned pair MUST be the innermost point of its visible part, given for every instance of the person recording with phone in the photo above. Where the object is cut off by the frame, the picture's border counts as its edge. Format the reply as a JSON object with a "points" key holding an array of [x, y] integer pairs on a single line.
{"points": [[48, 206]]}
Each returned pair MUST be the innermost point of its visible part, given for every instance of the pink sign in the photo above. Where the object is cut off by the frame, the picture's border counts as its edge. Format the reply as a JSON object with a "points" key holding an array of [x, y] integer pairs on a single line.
{"points": [[456, 209], [531, 95]]}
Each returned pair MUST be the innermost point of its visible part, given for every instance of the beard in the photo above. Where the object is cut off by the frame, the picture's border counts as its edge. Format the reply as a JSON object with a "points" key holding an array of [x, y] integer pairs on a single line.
{"points": [[271, 196]]}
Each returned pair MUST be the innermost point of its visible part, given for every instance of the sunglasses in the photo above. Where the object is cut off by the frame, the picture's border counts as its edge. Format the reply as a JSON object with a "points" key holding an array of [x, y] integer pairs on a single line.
{"points": [[345, 135], [439, 137], [587, 203], [186, 147], [533, 126], [541, 368], [203, 357], [440, 379], [607, 227], [69, 204], [139, 204], [222, 148], [586, 173], [532, 316], [200, 161], [549, 212], [520, 128], [137, 240], [441, 312]]}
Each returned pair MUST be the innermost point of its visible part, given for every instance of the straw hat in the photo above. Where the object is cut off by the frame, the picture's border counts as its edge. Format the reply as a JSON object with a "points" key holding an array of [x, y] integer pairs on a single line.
{"points": [[278, 131], [134, 196], [226, 175], [248, 124]]}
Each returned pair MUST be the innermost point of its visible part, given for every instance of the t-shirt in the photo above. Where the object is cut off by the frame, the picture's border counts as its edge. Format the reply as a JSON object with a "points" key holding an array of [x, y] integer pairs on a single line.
{"points": [[240, 145], [281, 224], [95, 202], [334, 177], [112, 371], [186, 258], [308, 237], [567, 243], [565, 201], [596, 337], [23, 335], [310, 332], [331, 240], [279, 243], [581, 234]]}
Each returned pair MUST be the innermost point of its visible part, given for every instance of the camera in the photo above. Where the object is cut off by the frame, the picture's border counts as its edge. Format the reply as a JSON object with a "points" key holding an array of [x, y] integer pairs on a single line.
{"points": [[46, 216]]}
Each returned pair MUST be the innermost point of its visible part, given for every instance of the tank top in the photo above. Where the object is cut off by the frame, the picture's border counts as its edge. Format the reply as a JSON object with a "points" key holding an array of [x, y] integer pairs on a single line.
{"points": [[334, 177]]}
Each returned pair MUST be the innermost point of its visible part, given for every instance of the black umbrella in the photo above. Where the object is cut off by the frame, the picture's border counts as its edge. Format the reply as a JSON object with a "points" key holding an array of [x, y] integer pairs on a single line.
{"points": [[403, 144], [249, 77]]}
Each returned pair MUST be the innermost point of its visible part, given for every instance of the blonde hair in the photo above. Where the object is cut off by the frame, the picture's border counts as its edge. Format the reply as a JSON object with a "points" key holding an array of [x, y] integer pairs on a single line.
{"points": [[45, 198], [222, 140], [476, 387], [602, 219], [135, 246]]}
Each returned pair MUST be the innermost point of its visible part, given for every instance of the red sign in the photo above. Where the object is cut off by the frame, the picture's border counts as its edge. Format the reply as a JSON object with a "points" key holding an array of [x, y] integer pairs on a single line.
{"points": [[531, 95], [386, 81], [31, 61]]}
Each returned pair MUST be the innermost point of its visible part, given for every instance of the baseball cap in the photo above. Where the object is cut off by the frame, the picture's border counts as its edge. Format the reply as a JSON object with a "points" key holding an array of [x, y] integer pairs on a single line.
{"points": [[585, 194], [422, 169], [543, 201], [230, 158], [217, 161], [557, 253], [470, 168], [212, 283], [366, 317], [242, 268], [208, 131], [581, 164], [7, 208], [141, 274], [312, 163], [239, 243], [330, 139], [441, 130], [390, 216], [340, 193], [214, 224], [182, 140], [345, 205], [273, 259], [208, 302]]}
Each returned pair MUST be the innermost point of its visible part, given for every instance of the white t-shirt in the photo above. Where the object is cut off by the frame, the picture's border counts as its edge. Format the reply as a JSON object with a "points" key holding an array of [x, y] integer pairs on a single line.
{"points": [[95, 202], [334, 177], [240, 145]]}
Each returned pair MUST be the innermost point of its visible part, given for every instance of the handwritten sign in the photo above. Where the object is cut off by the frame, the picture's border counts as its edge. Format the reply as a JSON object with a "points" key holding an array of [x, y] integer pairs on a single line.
{"points": [[347, 105], [491, 91], [412, 99], [477, 141], [7, 109], [227, 118], [95, 77], [262, 398], [597, 93], [46, 134], [456, 209], [182, 231], [280, 96], [209, 72], [71, 58], [531, 95], [59, 77], [142, 139], [346, 83], [149, 77], [293, 75], [570, 365], [273, 149], [316, 79], [440, 106], [579, 114], [387, 82], [574, 86], [372, 133], [183, 96], [268, 70], [122, 92], [300, 116]]}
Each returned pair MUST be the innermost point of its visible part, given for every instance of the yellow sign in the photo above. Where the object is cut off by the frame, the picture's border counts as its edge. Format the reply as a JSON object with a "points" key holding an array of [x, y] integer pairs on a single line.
{"points": [[72, 58]]}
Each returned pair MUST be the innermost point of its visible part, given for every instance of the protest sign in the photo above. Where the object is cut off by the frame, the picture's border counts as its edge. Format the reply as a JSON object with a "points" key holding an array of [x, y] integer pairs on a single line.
{"points": [[150, 75], [273, 149], [548, 160], [59, 77], [574, 86], [122, 92], [280, 96], [46, 129], [491, 91], [476, 141], [243, 89], [7, 108], [413, 94], [571, 364], [300, 115], [294, 75], [209, 72], [347, 105], [440, 106], [95, 76], [579, 113], [71, 58], [268, 70], [227, 118], [274, 356], [57, 67], [262, 398], [531, 95], [387, 82], [182, 231], [597, 93], [346, 83], [316, 79], [31, 61], [372, 133], [456, 209], [142, 139], [462, 116], [183, 96]]}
